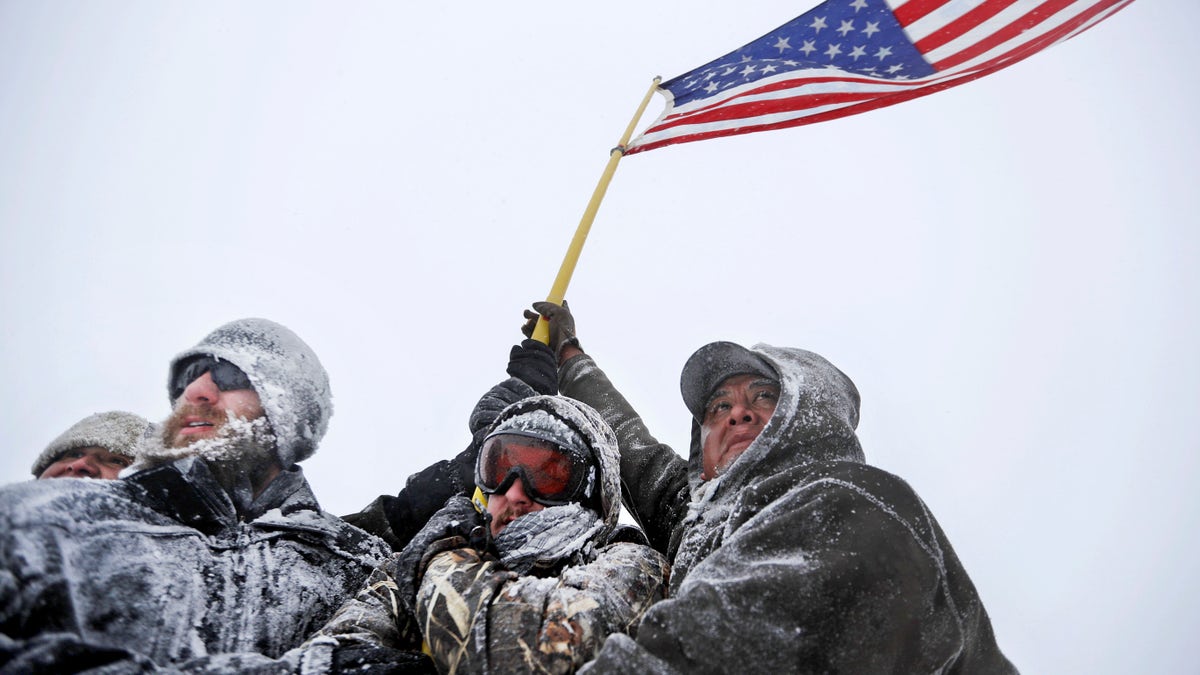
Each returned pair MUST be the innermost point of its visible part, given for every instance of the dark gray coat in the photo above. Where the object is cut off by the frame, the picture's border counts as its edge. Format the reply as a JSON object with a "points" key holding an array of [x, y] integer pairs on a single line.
{"points": [[159, 569], [800, 557]]}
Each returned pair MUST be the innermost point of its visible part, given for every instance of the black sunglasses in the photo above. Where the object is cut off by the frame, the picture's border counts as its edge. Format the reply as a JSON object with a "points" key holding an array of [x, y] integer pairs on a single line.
{"points": [[225, 375]]}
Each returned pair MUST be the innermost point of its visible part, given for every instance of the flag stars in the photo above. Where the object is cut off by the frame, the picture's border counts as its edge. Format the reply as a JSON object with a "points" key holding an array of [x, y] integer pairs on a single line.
{"points": [[892, 70], [729, 71], [782, 45], [857, 52], [846, 27], [809, 47], [817, 24], [872, 28], [747, 70], [833, 50], [858, 4], [883, 53], [710, 87], [768, 69]]}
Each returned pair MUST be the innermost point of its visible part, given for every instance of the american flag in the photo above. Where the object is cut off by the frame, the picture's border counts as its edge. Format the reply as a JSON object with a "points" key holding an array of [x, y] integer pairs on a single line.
{"points": [[849, 56]]}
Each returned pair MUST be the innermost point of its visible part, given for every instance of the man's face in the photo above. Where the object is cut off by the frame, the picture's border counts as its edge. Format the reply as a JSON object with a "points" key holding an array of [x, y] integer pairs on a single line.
{"points": [[508, 506], [203, 411], [92, 461], [736, 413]]}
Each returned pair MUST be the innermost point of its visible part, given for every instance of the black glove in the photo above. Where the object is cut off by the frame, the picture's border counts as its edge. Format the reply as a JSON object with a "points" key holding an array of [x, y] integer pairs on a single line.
{"points": [[533, 363], [458, 524], [562, 324]]}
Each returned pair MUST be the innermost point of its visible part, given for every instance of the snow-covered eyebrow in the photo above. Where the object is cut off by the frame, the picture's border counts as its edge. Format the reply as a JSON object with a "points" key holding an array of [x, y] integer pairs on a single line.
{"points": [[760, 382], [716, 395]]}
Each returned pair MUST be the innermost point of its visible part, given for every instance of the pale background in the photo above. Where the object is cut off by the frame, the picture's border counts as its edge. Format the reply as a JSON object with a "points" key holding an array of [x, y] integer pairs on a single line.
{"points": [[1006, 269]]}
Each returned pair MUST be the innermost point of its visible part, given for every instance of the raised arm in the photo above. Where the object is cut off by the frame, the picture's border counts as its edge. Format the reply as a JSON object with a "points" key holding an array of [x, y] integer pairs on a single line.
{"points": [[396, 519], [653, 476]]}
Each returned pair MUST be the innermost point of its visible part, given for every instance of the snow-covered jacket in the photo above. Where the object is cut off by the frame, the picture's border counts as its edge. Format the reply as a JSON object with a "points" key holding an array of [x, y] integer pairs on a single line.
{"points": [[799, 557], [159, 570], [477, 616]]}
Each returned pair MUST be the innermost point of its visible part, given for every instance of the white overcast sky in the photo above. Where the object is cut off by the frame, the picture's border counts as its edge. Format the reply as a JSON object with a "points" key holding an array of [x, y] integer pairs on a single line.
{"points": [[1006, 269]]}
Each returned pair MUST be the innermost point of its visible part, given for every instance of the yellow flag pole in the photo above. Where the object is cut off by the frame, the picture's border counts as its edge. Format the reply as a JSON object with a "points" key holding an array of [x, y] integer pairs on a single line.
{"points": [[559, 290]]}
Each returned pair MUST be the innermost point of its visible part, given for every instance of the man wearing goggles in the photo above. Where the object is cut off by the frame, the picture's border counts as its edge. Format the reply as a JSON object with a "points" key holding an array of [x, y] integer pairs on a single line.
{"points": [[556, 576], [522, 473]]}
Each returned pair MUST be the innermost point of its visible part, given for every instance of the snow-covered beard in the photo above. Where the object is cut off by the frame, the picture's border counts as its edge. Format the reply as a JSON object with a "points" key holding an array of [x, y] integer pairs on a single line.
{"points": [[238, 441], [241, 455]]}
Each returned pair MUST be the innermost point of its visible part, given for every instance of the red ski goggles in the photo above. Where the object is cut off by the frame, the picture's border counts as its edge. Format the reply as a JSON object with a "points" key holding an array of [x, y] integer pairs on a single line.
{"points": [[225, 375], [550, 474]]}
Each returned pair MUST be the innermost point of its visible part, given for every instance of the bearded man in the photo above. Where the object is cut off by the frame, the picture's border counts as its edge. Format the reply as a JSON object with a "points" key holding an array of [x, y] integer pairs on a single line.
{"points": [[212, 554]]}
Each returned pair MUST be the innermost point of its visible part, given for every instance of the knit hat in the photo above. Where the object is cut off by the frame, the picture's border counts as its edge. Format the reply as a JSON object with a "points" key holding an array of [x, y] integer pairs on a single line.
{"points": [[711, 365], [290, 381], [117, 431]]}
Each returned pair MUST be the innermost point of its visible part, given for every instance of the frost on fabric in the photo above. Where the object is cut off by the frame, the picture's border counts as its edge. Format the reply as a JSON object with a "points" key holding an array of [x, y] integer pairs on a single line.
{"points": [[123, 574], [544, 537], [543, 424]]}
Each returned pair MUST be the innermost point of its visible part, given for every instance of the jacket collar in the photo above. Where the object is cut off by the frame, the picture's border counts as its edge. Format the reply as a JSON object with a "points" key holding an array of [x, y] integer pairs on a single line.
{"points": [[186, 491]]}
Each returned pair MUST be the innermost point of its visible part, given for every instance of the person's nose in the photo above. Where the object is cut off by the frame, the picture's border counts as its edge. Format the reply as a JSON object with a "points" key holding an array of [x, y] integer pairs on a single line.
{"points": [[84, 466], [516, 495], [742, 413], [201, 390]]}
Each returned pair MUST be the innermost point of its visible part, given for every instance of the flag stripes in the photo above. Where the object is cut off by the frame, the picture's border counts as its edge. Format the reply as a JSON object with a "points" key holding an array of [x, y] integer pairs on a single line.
{"points": [[763, 86]]}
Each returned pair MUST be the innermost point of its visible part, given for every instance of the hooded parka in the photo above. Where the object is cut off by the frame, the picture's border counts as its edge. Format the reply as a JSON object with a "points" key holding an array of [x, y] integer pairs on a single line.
{"points": [[800, 557], [160, 570]]}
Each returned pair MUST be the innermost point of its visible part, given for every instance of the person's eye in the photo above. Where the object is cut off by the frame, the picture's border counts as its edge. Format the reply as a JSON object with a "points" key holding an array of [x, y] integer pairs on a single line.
{"points": [[73, 454], [718, 407]]}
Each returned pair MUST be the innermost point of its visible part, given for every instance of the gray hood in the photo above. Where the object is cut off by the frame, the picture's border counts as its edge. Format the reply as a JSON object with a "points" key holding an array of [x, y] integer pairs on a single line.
{"points": [[289, 379], [814, 420]]}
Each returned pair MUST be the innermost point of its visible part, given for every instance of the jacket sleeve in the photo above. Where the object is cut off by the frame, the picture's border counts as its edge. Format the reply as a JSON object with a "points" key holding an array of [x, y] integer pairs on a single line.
{"points": [[376, 616], [654, 481], [67, 653], [824, 579], [396, 519], [478, 617]]}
